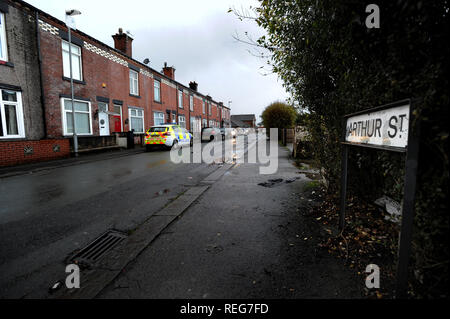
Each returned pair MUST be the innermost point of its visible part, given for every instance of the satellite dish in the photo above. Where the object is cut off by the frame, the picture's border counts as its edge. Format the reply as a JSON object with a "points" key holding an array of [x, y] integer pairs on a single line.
{"points": [[146, 61]]}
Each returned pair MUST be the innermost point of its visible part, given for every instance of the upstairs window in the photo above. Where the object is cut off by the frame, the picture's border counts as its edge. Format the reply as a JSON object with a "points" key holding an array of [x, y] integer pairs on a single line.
{"points": [[180, 99], [157, 90], [203, 106], [134, 83], [11, 114], [191, 102], [209, 108], [77, 72], [3, 47]]}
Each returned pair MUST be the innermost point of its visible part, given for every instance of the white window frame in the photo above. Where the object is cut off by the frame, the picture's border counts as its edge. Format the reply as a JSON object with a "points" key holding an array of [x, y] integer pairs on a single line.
{"points": [[209, 108], [64, 118], [134, 83], [4, 56], [191, 102], [74, 55], [154, 117], [19, 115], [136, 116], [180, 99], [157, 88], [180, 121], [203, 106]]}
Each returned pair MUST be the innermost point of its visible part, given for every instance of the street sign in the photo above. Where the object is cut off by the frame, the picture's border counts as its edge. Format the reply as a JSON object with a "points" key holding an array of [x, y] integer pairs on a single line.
{"points": [[388, 127]]}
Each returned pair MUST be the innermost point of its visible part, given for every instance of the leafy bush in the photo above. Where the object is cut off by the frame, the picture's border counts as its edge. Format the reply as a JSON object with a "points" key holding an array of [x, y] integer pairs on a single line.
{"points": [[279, 115]]}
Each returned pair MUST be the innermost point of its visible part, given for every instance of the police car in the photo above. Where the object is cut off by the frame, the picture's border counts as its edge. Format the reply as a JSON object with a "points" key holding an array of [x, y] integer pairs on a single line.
{"points": [[168, 135]]}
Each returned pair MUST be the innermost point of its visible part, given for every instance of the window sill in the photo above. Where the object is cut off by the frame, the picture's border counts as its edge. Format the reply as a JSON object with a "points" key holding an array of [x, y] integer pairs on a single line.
{"points": [[136, 96], [12, 138], [74, 81], [6, 63], [159, 102], [71, 135]]}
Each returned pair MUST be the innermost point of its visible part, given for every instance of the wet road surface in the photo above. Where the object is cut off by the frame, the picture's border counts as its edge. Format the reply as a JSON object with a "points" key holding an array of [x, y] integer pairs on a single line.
{"points": [[47, 215]]}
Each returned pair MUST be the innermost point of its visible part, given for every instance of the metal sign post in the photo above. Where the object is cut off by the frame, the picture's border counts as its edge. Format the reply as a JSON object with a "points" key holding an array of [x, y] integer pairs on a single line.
{"points": [[388, 127]]}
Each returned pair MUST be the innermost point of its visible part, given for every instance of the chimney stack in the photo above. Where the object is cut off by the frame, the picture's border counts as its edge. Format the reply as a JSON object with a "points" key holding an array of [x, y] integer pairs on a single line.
{"points": [[169, 71], [122, 42], [193, 85]]}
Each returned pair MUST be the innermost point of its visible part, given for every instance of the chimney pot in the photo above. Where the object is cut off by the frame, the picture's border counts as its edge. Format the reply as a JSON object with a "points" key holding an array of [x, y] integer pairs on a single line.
{"points": [[193, 85], [123, 42], [169, 71]]}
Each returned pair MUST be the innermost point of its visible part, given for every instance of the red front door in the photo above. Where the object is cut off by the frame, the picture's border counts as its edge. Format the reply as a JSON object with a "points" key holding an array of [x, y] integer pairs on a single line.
{"points": [[117, 123], [117, 118]]}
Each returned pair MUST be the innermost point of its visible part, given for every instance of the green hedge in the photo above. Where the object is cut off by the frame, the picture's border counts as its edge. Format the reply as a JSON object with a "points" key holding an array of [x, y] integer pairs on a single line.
{"points": [[332, 65]]}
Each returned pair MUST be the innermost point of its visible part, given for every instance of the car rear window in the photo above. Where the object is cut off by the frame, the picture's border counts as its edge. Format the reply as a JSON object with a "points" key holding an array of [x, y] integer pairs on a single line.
{"points": [[158, 129]]}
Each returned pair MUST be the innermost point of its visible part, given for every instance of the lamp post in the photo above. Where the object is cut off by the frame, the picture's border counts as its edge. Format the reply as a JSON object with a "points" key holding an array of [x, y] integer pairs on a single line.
{"points": [[70, 22], [229, 107]]}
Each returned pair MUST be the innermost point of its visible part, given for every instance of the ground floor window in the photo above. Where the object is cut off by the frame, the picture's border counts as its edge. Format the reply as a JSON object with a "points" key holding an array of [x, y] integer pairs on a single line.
{"points": [[205, 123], [158, 118], [11, 114], [136, 116], [182, 121], [83, 118]]}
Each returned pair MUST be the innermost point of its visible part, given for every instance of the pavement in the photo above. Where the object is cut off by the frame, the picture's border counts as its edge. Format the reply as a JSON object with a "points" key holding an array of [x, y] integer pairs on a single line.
{"points": [[240, 239]]}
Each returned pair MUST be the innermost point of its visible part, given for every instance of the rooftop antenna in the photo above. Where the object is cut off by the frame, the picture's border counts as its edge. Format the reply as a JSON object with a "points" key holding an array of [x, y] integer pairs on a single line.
{"points": [[129, 34]]}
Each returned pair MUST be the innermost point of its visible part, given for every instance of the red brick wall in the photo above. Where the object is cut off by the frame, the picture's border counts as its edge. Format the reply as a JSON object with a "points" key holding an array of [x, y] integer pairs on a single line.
{"points": [[12, 152], [97, 70], [168, 101]]}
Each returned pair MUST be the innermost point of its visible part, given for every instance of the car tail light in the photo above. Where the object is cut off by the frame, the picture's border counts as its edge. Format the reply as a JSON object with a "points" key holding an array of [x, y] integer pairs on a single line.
{"points": [[166, 134]]}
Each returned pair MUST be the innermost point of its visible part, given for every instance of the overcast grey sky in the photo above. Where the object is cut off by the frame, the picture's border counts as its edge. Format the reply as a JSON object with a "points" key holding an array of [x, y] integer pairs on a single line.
{"points": [[193, 36]]}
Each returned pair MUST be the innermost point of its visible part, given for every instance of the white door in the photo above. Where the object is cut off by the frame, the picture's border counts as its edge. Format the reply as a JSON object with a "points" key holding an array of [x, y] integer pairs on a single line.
{"points": [[103, 119]]}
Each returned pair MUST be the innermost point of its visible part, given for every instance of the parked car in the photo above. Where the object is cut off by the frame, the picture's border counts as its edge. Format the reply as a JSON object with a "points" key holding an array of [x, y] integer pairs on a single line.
{"points": [[168, 135], [210, 133], [228, 133], [241, 131]]}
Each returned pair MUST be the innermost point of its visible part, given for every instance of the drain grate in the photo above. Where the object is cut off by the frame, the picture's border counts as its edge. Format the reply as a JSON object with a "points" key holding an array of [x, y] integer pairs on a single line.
{"points": [[99, 247]]}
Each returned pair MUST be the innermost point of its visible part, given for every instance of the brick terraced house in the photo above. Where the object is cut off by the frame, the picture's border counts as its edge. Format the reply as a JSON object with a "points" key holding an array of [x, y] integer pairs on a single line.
{"points": [[113, 92]]}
